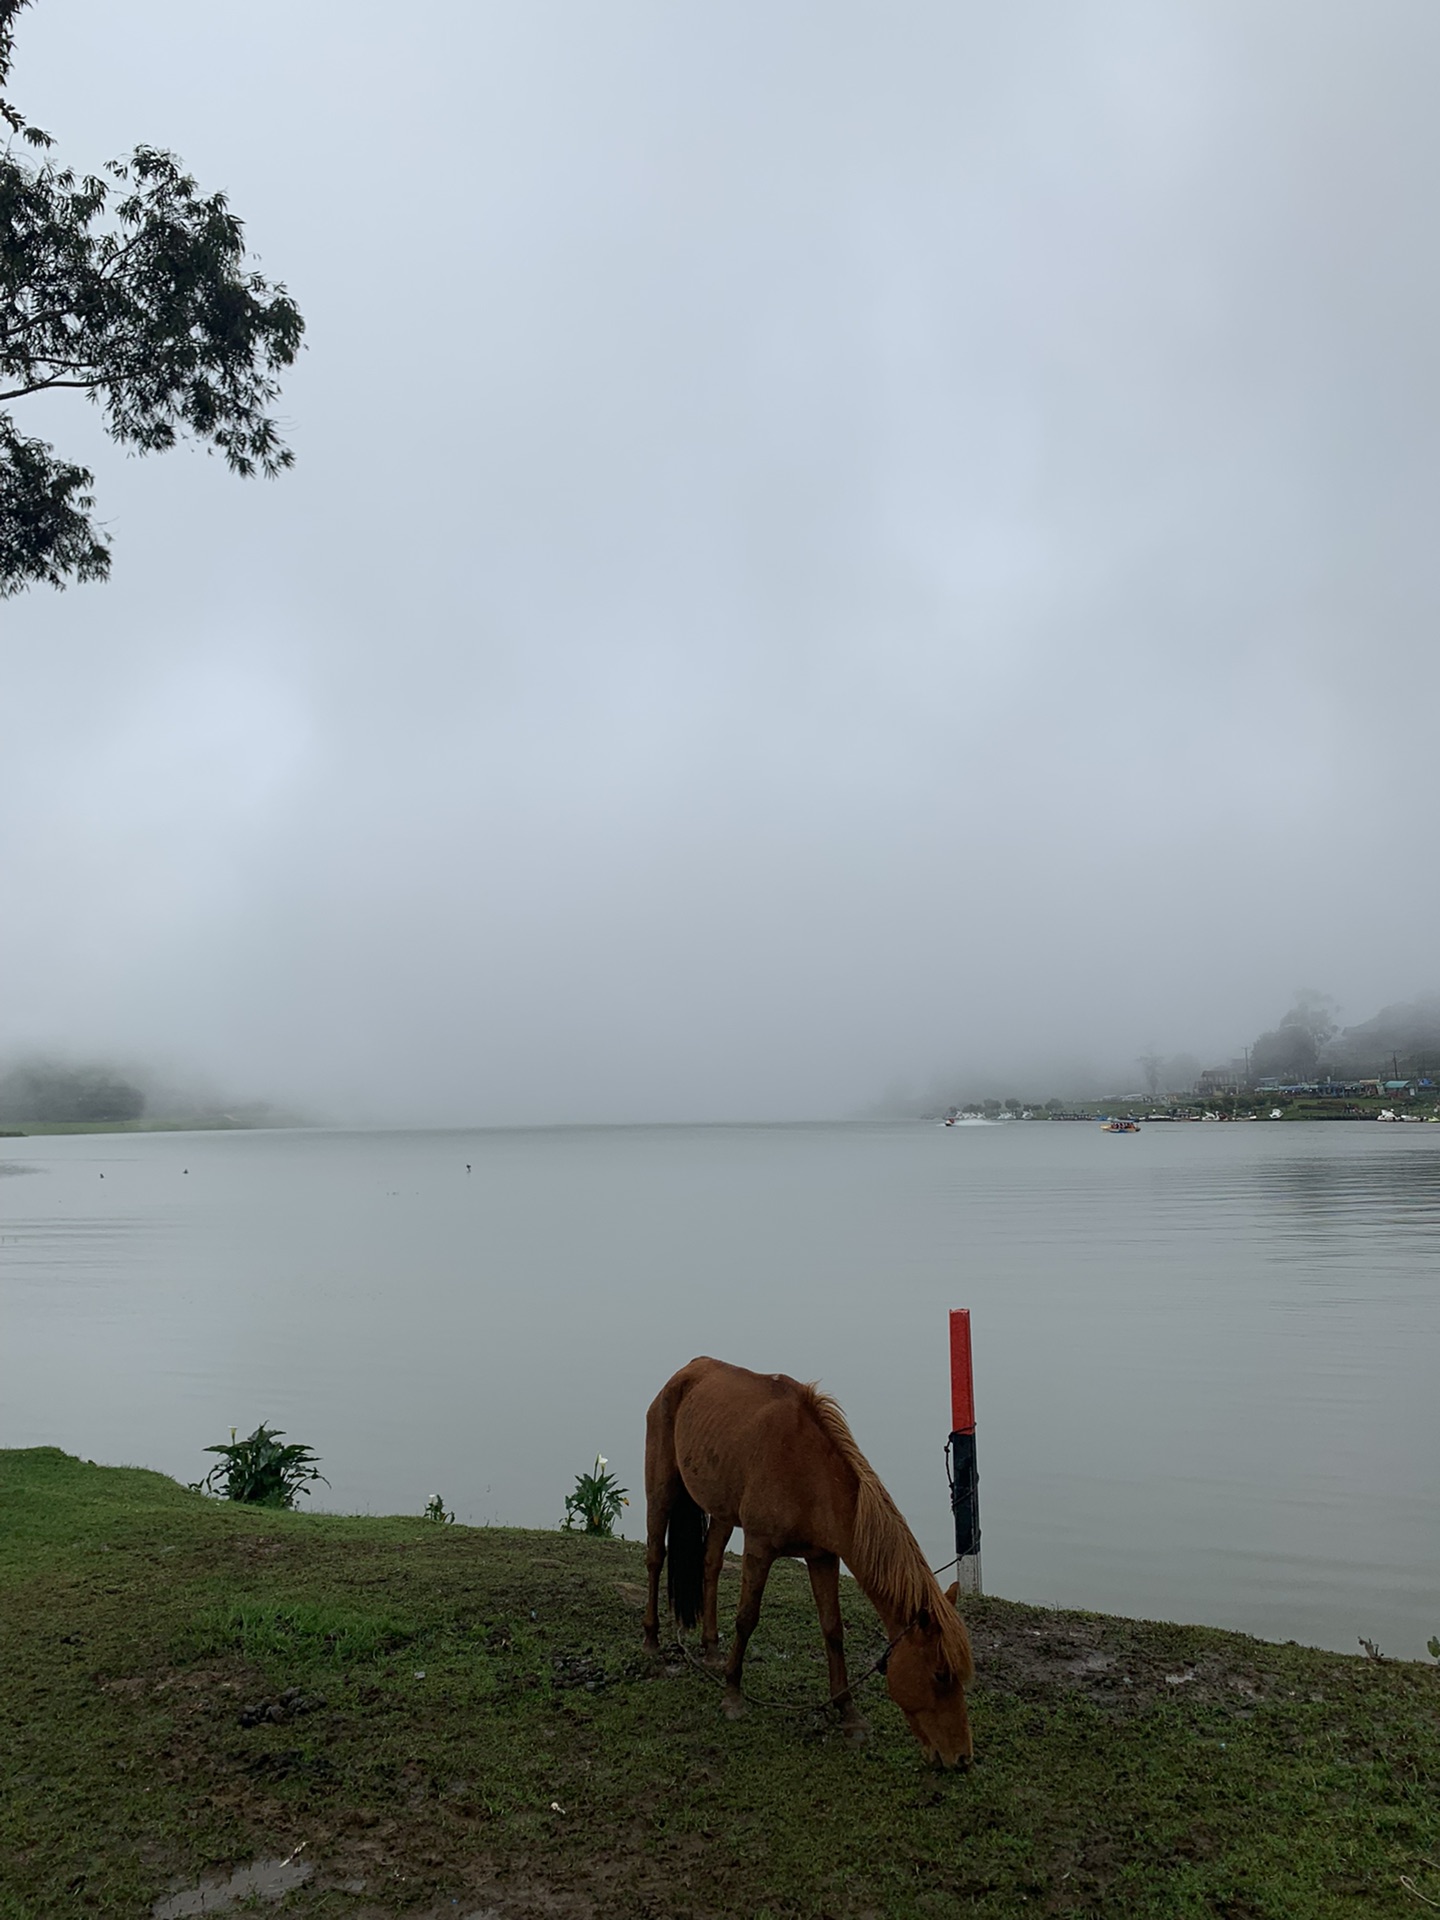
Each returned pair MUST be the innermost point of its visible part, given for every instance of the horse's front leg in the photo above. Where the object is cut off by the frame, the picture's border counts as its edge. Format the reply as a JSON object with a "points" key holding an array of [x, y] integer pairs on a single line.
{"points": [[716, 1542], [825, 1585], [755, 1571]]}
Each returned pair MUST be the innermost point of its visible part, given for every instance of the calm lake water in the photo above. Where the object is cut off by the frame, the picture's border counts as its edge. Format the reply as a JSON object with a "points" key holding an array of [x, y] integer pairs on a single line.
{"points": [[1207, 1358]]}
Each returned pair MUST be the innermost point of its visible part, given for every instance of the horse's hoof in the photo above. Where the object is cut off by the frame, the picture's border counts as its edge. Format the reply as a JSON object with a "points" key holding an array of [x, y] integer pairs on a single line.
{"points": [[857, 1732], [712, 1656], [734, 1707], [651, 1645]]}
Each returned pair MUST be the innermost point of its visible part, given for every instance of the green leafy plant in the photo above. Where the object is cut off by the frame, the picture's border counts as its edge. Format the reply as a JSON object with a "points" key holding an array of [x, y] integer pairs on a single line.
{"points": [[435, 1509], [260, 1471], [595, 1504], [1434, 1649]]}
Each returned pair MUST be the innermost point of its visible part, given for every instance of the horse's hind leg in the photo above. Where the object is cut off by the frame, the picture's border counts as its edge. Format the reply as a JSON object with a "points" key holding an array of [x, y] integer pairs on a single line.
{"points": [[825, 1585], [662, 1481], [716, 1541], [756, 1571], [657, 1519]]}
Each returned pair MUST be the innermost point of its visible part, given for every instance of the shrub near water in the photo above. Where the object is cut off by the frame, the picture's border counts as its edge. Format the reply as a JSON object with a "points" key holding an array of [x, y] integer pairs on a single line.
{"points": [[260, 1471], [596, 1503]]}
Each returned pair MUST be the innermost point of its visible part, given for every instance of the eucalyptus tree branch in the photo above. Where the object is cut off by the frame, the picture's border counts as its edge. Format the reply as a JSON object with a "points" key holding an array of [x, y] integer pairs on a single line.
{"points": [[133, 286]]}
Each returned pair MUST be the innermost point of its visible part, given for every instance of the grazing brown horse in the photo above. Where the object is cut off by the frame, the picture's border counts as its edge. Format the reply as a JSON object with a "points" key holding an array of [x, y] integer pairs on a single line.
{"points": [[727, 1448]]}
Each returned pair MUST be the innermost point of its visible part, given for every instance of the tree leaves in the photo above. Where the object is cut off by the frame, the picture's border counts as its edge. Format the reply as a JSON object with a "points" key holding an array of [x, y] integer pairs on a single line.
{"points": [[132, 288], [46, 534]]}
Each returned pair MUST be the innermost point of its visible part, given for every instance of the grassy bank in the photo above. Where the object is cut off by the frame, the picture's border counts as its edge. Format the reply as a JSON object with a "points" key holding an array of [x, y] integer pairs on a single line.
{"points": [[456, 1721]]}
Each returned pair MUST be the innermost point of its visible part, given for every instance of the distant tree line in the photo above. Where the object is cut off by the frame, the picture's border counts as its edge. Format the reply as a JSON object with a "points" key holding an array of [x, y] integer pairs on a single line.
{"points": [[1402, 1040], [46, 1091], [1305, 1045], [1292, 1050]]}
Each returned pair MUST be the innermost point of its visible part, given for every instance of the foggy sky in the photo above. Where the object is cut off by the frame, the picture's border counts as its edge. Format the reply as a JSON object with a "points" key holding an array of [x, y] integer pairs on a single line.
{"points": [[832, 544]]}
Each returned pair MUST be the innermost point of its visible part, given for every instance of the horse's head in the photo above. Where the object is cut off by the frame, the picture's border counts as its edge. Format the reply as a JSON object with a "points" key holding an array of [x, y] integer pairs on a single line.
{"points": [[927, 1674]]}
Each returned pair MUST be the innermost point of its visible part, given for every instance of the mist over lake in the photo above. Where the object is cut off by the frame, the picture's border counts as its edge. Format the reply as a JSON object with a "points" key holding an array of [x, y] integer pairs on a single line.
{"points": [[1205, 1367], [911, 572]]}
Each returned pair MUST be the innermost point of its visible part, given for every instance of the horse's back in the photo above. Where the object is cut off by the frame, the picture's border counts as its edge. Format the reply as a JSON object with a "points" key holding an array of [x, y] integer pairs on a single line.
{"points": [[706, 1391], [745, 1444]]}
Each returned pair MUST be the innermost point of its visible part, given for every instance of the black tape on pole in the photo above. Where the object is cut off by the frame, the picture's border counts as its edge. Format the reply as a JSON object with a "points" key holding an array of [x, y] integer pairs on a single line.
{"points": [[965, 1494]]}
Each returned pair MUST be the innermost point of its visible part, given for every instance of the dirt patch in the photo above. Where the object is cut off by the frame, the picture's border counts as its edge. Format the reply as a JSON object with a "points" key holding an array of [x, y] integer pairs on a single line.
{"points": [[1035, 1654], [287, 1706], [262, 1880], [538, 1903]]}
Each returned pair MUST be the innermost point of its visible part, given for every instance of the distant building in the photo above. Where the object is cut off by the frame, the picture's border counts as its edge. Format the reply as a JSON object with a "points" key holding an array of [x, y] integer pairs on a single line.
{"points": [[1231, 1079], [1331, 1089]]}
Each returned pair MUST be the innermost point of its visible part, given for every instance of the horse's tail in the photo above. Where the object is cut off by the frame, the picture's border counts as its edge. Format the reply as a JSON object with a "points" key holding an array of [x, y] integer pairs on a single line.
{"points": [[685, 1557]]}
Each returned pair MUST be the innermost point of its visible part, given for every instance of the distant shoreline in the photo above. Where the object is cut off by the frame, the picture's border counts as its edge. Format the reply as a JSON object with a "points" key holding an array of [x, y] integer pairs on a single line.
{"points": [[34, 1129]]}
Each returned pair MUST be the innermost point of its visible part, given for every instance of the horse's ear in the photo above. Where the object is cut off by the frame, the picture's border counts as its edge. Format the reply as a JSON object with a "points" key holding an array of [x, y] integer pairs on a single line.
{"points": [[952, 1594]]}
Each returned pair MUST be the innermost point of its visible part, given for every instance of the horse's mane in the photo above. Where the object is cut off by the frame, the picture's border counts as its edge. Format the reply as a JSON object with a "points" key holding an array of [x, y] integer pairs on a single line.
{"points": [[885, 1556]]}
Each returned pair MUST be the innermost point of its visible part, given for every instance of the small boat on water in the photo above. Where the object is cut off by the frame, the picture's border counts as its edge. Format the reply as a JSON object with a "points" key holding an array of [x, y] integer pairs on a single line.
{"points": [[1120, 1126]]}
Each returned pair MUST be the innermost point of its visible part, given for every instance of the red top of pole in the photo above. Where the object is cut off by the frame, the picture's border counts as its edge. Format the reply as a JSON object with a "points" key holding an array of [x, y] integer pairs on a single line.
{"points": [[962, 1381]]}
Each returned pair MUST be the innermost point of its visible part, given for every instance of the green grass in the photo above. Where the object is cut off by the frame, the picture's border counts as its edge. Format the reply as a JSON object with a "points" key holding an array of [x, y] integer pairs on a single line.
{"points": [[470, 1719]]}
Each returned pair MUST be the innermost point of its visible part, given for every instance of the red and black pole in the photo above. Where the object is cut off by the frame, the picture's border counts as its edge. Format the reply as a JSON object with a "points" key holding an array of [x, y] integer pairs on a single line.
{"points": [[964, 1475]]}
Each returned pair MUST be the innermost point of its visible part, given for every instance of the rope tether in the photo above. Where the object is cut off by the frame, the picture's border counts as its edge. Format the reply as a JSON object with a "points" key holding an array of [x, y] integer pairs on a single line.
{"points": [[841, 1699]]}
